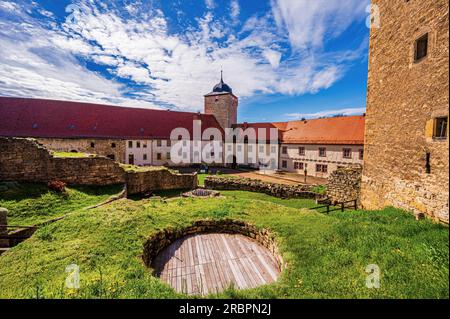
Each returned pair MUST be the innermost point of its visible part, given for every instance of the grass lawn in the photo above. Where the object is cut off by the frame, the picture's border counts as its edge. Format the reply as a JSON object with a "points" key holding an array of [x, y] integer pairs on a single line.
{"points": [[326, 254], [29, 204], [71, 154]]}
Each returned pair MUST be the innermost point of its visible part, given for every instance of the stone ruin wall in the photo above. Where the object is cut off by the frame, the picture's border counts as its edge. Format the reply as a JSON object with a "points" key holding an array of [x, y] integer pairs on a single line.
{"points": [[344, 184], [25, 160], [254, 185]]}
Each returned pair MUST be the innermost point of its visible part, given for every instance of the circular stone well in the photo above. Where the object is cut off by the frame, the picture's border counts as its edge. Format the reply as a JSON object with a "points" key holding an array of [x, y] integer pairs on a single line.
{"points": [[210, 256]]}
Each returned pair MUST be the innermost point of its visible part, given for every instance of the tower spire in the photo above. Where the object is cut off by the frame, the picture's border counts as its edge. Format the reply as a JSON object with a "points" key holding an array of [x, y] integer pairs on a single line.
{"points": [[221, 75]]}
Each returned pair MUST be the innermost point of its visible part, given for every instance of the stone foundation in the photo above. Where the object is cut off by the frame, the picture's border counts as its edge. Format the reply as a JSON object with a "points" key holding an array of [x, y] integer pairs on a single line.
{"points": [[344, 184], [162, 239], [162, 179], [254, 185]]}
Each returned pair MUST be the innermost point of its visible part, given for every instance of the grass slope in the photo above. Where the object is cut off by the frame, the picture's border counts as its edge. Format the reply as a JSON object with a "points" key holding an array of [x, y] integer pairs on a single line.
{"points": [[326, 254], [29, 204]]}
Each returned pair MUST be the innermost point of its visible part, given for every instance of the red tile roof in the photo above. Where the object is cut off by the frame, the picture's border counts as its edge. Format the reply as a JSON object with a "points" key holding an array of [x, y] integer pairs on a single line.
{"points": [[22, 117], [334, 130]]}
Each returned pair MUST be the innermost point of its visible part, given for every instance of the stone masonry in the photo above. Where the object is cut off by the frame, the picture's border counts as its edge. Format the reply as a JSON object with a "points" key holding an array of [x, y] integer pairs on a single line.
{"points": [[25, 160], [344, 184], [404, 164], [254, 185], [224, 107]]}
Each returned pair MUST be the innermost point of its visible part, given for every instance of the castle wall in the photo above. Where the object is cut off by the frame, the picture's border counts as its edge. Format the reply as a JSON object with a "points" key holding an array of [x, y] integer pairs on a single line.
{"points": [[404, 98], [104, 147]]}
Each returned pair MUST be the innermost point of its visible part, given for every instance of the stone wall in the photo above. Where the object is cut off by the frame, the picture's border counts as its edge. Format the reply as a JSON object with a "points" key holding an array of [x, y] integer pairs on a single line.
{"points": [[27, 161], [344, 184], [3, 229], [223, 107], [104, 147], [161, 179], [162, 239], [254, 185], [404, 97]]}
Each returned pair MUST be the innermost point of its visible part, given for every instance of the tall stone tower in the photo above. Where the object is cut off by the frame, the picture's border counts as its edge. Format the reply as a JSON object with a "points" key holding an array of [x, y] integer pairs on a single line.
{"points": [[222, 103], [406, 140]]}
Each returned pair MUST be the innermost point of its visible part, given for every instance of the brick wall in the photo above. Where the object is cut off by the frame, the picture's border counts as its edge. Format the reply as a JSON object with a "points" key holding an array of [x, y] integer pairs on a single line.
{"points": [[344, 184], [403, 98]]}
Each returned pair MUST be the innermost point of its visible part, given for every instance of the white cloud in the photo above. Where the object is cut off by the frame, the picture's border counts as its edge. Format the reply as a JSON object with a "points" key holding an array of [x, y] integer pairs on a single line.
{"points": [[273, 57], [210, 4], [308, 22], [172, 70], [327, 113], [235, 10]]}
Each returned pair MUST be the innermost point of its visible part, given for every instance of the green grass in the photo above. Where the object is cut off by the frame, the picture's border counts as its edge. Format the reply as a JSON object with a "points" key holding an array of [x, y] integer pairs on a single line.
{"points": [[30, 204], [326, 254], [136, 168], [71, 154]]}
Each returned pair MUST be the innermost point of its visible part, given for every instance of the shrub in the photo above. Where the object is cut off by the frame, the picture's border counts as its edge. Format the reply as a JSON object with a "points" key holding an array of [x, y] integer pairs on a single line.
{"points": [[219, 172], [57, 186]]}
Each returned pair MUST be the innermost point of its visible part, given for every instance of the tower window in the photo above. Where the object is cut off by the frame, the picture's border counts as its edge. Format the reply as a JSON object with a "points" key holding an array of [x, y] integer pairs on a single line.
{"points": [[113, 145], [322, 152], [347, 153], [440, 128], [301, 151], [130, 144], [158, 143], [421, 48], [92, 144]]}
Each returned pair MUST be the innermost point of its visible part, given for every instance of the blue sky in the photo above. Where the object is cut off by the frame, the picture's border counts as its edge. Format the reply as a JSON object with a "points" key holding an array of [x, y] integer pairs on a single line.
{"points": [[284, 59]]}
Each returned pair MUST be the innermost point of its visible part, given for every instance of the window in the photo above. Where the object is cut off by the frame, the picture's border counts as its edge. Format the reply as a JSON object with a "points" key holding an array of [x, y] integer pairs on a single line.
{"points": [[301, 151], [144, 144], [168, 155], [246, 139], [284, 150], [347, 153], [440, 128], [421, 48], [229, 147], [250, 148], [169, 143], [113, 145], [158, 156], [111, 156], [284, 164], [92, 144], [211, 138], [239, 148], [322, 152], [144, 157], [158, 143], [361, 154], [212, 153], [130, 144], [273, 149], [321, 168], [138, 144], [298, 165], [261, 149]]}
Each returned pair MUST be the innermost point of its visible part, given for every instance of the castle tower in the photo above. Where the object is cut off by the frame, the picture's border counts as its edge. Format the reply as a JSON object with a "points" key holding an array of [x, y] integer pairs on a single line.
{"points": [[406, 140], [222, 103]]}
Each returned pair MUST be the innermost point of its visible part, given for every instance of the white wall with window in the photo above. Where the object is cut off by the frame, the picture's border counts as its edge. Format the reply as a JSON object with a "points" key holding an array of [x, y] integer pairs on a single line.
{"points": [[138, 152], [319, 160]]}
